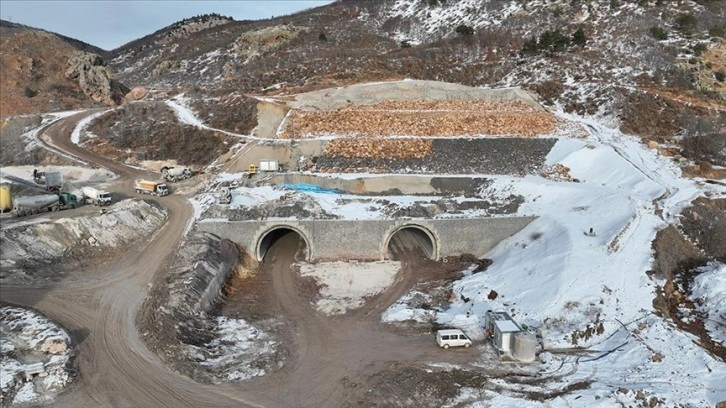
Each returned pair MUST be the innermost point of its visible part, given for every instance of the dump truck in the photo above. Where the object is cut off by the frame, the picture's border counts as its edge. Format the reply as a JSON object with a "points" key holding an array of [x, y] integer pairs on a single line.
{"points": [[172, 174], [96, 197], [52, 180], [150, 187], [43, 203]]}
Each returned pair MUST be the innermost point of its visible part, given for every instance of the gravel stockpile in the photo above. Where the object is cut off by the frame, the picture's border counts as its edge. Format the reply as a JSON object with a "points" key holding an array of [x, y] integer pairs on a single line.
{"points": [[423, 118], [354, 147], [454, 156]]}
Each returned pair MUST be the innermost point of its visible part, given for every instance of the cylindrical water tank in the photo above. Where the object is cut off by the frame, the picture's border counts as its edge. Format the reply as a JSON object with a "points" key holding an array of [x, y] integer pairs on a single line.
{"points": [[524, 346], [6, 200]]}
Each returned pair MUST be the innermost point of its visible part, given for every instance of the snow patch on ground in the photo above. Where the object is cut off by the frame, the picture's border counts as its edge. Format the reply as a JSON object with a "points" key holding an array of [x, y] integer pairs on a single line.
{"points": [[34, 345], [345, 285], [80, 127], [187, 116], [235, 350]]}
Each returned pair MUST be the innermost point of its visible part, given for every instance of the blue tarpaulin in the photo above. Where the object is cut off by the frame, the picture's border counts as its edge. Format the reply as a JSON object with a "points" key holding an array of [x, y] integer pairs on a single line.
{"points": [[310, 188]]}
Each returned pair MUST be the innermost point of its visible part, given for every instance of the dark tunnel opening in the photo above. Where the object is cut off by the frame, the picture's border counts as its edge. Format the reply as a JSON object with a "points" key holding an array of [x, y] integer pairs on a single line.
{"points": [[411, 241], [287, 238]]}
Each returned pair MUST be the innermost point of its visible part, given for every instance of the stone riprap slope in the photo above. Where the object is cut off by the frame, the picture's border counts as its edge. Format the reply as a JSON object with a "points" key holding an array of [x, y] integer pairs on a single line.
{"points": [[423, 118], [502, 155]]}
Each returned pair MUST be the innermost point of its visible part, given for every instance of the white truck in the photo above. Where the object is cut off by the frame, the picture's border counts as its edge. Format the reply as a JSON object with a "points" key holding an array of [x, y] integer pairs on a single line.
{"points": [[172, 174], [95, 196], [150, 187], [269, 165]]}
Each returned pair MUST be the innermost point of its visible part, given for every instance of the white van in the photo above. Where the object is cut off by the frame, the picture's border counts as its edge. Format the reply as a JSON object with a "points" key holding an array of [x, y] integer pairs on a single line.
{"points": [[452, 338]]}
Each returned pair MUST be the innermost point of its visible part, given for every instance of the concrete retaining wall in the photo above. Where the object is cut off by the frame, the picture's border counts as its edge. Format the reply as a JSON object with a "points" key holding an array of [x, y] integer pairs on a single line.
{"points": [[368, 239]]}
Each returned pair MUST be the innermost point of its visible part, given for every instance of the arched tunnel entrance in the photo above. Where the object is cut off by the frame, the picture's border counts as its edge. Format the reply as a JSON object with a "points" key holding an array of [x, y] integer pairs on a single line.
{"points": [[291, 238], [411, 239]]}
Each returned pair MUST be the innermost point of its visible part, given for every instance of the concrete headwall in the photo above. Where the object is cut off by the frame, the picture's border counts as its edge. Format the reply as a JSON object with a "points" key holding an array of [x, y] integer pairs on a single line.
{"points": [[368, 239]]}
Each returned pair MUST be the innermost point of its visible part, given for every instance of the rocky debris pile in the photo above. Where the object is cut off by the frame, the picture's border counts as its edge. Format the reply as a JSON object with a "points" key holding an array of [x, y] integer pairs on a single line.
{"points": [[556, 172], [451, 208], [290, 205], [95, 79], [30, 251], [34, 357], [255, 43], [517, 156], [136, 94], [379, 148], [187, 27], [423, 118], [179, 323]]}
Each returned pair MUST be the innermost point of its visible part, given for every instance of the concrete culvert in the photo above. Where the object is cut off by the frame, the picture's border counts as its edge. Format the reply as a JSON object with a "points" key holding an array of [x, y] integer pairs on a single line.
{"points": [[410, 239], [275, 235]]}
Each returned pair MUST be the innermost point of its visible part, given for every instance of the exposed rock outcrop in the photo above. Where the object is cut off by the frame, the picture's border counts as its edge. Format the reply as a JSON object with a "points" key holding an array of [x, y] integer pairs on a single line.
{"points": [[137, 93], [95, 79]]}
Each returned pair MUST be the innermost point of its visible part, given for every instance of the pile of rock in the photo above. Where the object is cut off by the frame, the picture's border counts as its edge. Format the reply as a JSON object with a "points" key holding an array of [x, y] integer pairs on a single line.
{"points": [[379, 148], [557, 172], [423, 118]]}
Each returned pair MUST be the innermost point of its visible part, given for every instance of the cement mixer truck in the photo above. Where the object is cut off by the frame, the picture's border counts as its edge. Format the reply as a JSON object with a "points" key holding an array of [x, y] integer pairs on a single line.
{"points": [[96, 197], [172, 174], [23, 206]]}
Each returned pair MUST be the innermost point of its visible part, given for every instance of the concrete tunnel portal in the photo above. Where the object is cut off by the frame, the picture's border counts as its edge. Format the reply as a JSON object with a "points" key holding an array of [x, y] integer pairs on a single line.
{"points": [[410, 238], [274, 234]]}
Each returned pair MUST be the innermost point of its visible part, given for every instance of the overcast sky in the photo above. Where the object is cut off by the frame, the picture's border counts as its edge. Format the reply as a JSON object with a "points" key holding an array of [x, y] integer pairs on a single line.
{"points": [[111, 24]]}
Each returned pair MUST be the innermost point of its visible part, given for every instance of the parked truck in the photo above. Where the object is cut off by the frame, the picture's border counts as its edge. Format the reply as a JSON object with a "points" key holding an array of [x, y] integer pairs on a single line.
{"points": [[150, 187], [96, 197], [269, 165], [52, 180], [43, 203], [172, 174]]}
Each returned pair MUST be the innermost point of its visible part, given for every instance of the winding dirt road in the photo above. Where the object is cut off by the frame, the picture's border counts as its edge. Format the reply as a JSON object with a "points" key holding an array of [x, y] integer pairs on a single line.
{"points": [[332, 357]]}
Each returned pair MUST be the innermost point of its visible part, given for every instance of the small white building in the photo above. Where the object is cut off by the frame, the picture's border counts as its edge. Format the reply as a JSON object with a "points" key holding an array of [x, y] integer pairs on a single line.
{"points": [[502, 329]]}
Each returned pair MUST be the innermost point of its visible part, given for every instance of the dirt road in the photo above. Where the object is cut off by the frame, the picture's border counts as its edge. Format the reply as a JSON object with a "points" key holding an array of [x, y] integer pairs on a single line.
{"points": [[332, 358]]}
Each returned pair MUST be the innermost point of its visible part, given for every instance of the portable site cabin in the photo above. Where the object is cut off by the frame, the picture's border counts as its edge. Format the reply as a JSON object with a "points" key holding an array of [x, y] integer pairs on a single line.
{"points": [[502, 328]]}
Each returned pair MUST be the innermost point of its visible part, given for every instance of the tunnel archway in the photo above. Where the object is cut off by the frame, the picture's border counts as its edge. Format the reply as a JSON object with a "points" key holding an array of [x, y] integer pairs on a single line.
{"points": [[272, 235], [412, 237]]}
